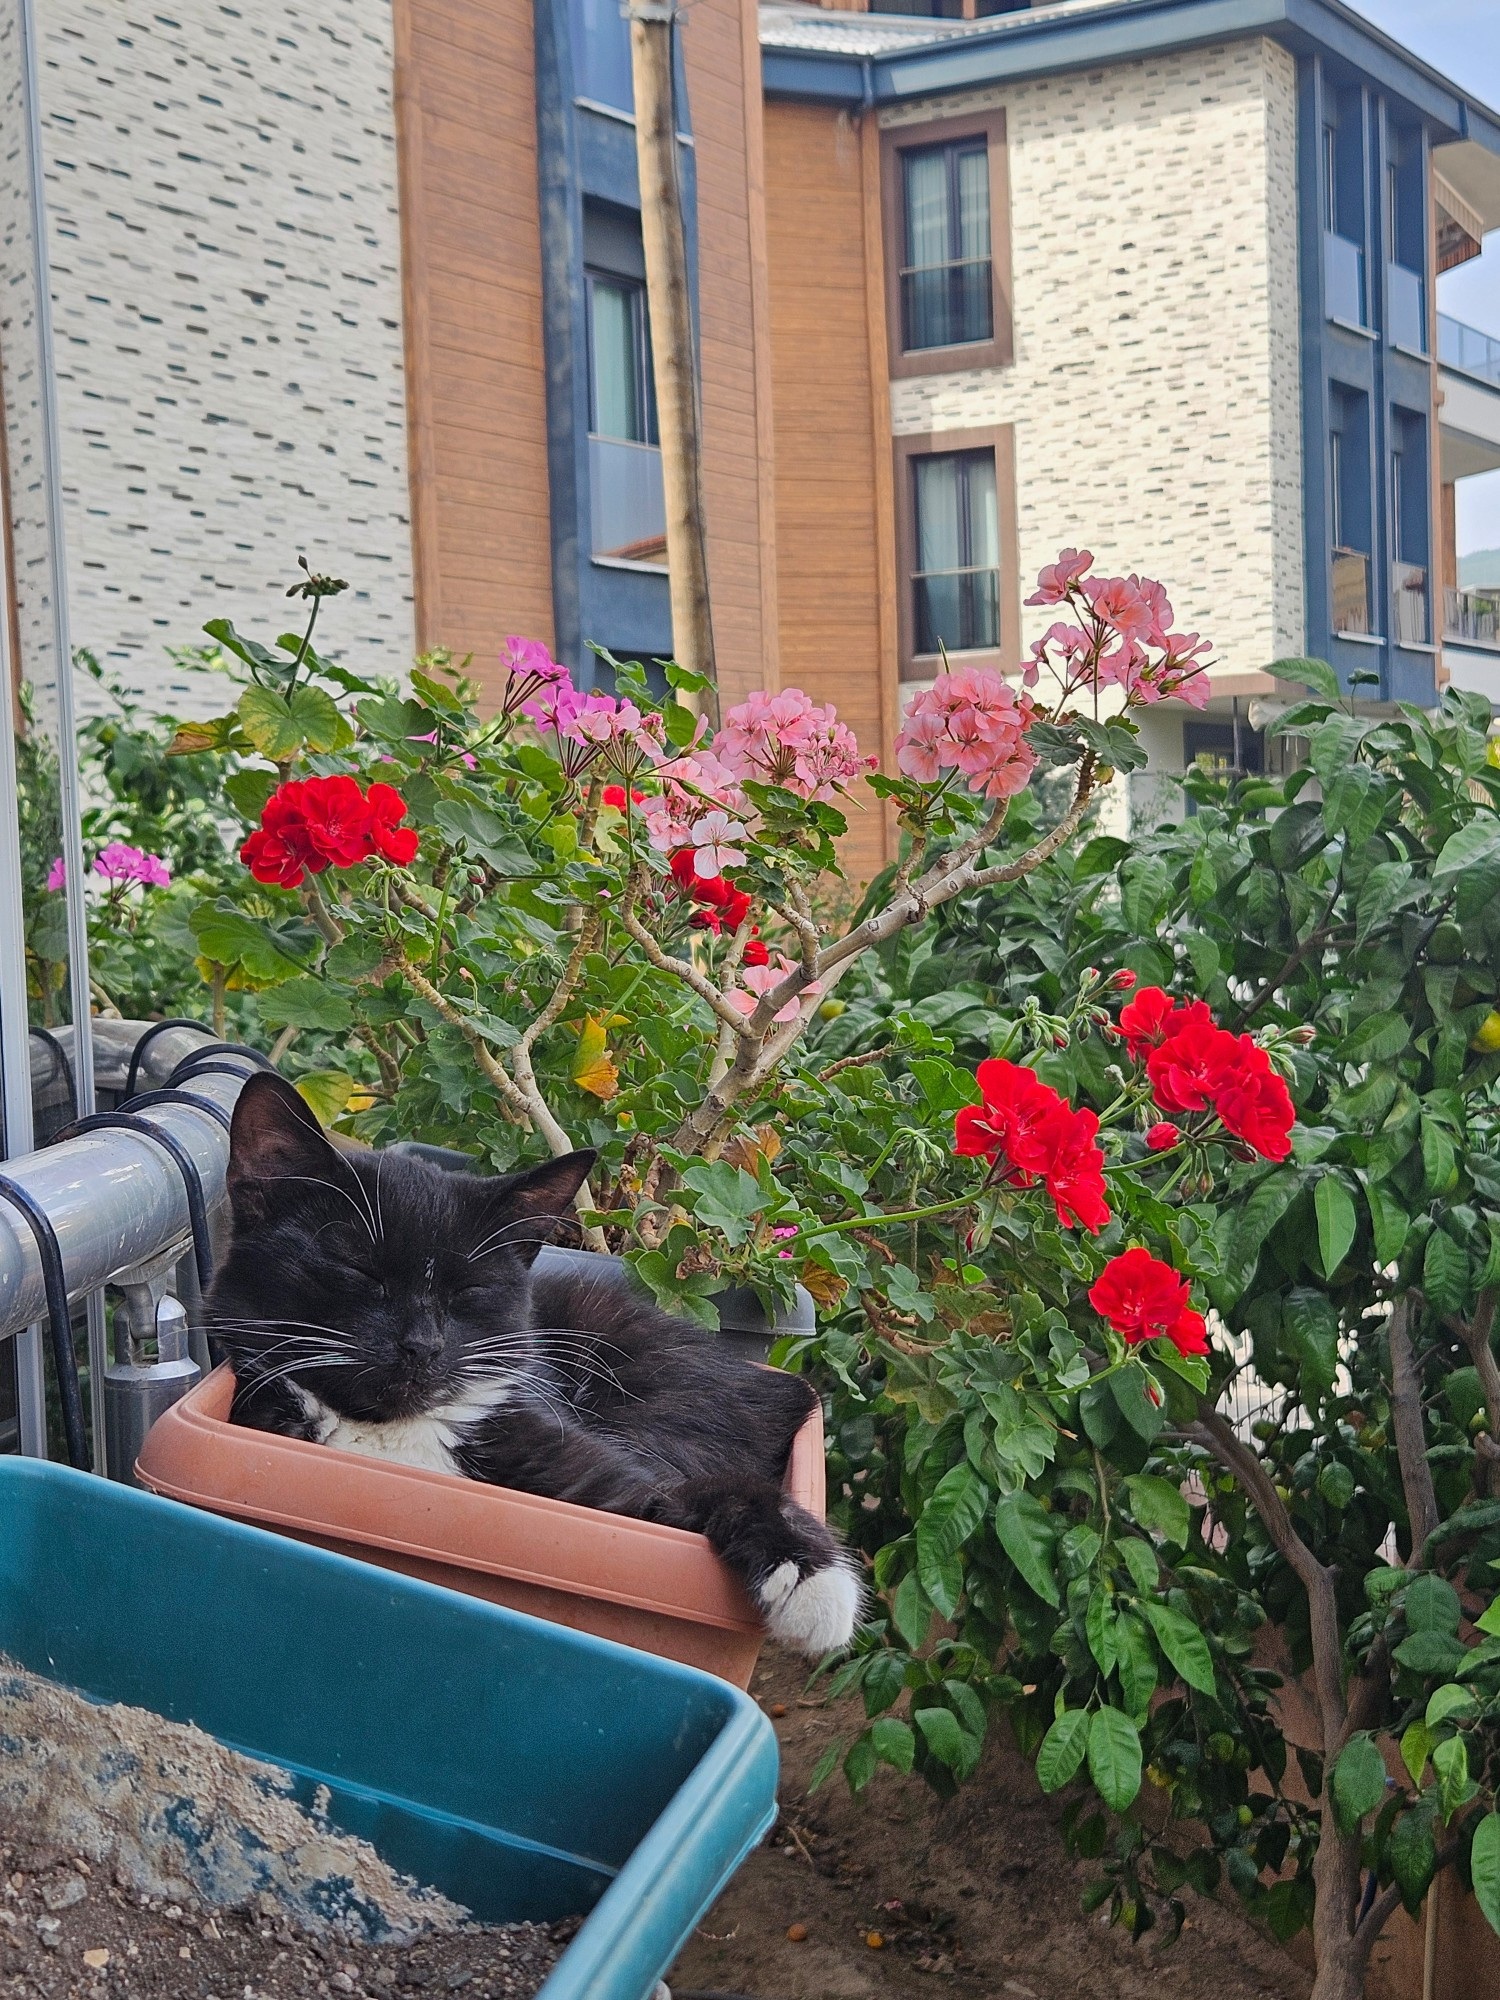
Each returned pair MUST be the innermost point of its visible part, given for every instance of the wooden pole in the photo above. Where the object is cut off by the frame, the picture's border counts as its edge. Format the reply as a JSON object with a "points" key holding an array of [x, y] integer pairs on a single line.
{"points": [[669, 303]]}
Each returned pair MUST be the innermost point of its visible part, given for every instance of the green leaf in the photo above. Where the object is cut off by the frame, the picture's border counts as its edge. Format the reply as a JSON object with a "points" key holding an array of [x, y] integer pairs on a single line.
{"points": [[1132, 1394], [1389, 1221], [1382, 891], [945, 1086], [1439, 1161], [893, 1742], [1313, 1325], [279, 728], [1379, 1038], [1336, 1484], [1473, 846], [305, 1003], [1449, 1701], [726, 1198], [1358, 1781], [1490, 1621], [1182, 1642], [1143, 889], [1158, 1506], [1430, 1653], [1416, 1747], [1450, 1760], [1334, 1207], [953, 1513], [911, 1611], [825, 1767], [1114, 1755], [484, 833], [247, 791], [1026, 1534], [229, 937], [859, 1764], [1142, 1562], [943, 1736], [1432, 1605], [1484, 1866], [1313, 673], [1412, 1856], [1063, 1750], [1099, 1625], [942, 1578], [327, 1092], [1136, 1665], [1445, 1273]]}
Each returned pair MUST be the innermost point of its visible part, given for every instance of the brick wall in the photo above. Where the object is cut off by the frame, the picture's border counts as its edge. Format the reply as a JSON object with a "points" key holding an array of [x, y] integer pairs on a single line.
{"points": [[1155, 390], [224, 235]]}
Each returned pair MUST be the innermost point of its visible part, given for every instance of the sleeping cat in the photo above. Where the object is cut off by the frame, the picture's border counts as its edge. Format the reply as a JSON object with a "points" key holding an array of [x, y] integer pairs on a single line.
{"points": [[380, 1305]]}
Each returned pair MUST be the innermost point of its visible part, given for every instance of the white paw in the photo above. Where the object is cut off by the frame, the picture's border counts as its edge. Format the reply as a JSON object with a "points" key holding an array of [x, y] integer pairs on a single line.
{"points": [[816, 1614]]}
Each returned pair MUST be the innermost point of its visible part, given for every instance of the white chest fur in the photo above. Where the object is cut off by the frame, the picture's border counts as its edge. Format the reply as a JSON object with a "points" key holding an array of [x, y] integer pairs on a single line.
{"points": [[428, 1441]]}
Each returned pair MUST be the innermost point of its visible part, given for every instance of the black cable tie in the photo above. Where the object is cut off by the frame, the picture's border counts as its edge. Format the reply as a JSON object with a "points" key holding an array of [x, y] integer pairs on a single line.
{"points": [[64, 1360], [138, 1053], [60, 1060], [187, 1166], [211, 1060], [150, 1097]]}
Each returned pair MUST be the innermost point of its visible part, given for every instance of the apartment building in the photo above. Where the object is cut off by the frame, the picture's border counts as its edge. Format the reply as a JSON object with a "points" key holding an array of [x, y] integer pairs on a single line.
{"points": [[1157, 278], [972, 283]]}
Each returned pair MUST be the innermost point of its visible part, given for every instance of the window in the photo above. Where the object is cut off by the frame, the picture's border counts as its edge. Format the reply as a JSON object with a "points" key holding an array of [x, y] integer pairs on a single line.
{"points": [[1344, 208], [1409, 534], [947, 245], [601, 53], [956, 524], [957, 578], [1406, 240], [621, 401], [1349, 508], [947, 290]]}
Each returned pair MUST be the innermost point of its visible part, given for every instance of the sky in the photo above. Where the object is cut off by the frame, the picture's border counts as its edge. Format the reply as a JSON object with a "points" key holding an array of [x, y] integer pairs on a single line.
{"points": [[1462, 39]]}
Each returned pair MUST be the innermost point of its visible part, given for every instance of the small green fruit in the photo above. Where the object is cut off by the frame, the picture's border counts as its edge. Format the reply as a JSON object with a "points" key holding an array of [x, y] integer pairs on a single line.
{"points": [[831, 1009]]}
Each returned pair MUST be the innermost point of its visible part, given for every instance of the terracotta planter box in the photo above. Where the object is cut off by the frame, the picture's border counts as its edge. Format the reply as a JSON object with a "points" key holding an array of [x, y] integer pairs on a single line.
{"points": [[658, 1589]]}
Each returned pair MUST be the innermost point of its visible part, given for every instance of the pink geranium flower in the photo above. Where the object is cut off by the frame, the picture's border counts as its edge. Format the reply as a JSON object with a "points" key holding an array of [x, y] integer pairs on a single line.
{"points": [[787, 739], [57, 874], [120, 862], [972, 721], [763, 979], [713, 839], [1058, 578]]}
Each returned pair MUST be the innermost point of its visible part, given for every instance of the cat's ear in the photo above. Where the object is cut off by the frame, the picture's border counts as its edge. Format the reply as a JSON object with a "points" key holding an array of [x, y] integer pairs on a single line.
{"points": [[533, 1202], [276, 1146]]}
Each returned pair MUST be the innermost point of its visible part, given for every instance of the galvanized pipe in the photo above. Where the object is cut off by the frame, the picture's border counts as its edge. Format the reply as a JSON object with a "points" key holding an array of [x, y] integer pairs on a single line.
{"points": [[115, 1199]]}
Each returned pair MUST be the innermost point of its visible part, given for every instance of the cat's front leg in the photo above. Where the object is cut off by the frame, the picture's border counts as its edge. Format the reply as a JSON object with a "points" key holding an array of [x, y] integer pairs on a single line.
{"points": [[806, 1586]]}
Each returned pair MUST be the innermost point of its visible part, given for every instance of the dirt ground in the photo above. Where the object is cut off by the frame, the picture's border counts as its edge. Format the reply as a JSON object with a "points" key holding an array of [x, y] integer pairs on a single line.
{"points": [[69, 1931], [975, 1899]]}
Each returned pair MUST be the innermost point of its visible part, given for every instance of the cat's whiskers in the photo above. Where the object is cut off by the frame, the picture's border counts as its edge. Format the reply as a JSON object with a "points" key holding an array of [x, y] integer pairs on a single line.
{"points": [[361, 1208]]}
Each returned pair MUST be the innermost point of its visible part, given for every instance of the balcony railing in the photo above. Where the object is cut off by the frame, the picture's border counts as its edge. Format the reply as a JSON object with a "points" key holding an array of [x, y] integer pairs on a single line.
{"points": [[1409, 592], [1351, 591], [948, 305], [627, 508], [1465, 347], [1472, 616], [1344, 278], [958, 609], [1408, 297]]}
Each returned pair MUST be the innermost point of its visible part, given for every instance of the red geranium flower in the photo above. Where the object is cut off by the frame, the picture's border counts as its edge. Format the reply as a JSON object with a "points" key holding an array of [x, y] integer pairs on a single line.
{"points": [[1255, 1104], [1162, 1138], [723, 906], [614, 795], [756, 953], [1143, 1022], [1144, 1299], [1025, 1123], [309, 824], [1074, 1175], [1189, 1069]]}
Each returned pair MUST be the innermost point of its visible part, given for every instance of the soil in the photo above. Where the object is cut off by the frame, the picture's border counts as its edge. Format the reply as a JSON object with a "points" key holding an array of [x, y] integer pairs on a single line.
{"points": [[902, 1897], [72, 1930]]}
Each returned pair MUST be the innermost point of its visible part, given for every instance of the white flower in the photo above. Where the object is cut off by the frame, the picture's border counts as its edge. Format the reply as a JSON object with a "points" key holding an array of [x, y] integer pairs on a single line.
{"points": [[713, 838]]}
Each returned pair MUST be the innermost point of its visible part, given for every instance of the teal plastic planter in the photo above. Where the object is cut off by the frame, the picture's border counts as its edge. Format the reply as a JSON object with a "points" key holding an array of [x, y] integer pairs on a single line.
{"points": [[525, 1770]]}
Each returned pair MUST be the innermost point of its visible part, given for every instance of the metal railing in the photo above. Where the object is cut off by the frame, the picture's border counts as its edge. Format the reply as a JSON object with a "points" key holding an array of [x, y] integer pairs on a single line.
{"points": [[948, 305], [1466, 348], [1472, 616], [117, 1204]]}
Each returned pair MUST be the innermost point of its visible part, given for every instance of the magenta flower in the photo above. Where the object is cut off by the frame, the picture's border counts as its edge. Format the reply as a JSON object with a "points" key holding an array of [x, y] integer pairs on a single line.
{"points": [[57, 874], [120, 863], [787, 739]]}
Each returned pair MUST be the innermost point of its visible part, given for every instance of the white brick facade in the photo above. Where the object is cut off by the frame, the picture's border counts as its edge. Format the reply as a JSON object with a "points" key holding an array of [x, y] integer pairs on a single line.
{"points": [[225, 244], [1155, 390]]}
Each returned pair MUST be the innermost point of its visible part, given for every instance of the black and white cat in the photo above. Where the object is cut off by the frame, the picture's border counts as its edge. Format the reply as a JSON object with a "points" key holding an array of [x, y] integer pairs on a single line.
{"points": [[377, 1304]]}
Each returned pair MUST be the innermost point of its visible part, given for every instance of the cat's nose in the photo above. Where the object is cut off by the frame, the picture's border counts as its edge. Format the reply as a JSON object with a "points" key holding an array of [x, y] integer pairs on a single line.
{"points": [[421, 1340]]}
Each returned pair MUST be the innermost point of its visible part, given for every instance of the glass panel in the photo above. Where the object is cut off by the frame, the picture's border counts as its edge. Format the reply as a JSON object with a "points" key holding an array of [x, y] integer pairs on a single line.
{"points": [[616, 378], [983, 551], [1351, 591], [628, 511], [601, 53], [1465, 347], [1408, 309], [1472, 615], [1409, 587], [974, 203], [939, 529], [926, 209], [1344, 279]]}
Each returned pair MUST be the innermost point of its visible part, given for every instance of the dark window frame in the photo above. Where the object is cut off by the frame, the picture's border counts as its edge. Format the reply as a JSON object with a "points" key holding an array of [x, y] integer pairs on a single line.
{"points": [[998, 351], [915, 666], [645, 386]]}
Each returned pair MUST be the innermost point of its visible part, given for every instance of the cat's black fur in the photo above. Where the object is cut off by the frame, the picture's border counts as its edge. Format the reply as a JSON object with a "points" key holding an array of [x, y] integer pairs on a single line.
{"points": [[380, 1304]]}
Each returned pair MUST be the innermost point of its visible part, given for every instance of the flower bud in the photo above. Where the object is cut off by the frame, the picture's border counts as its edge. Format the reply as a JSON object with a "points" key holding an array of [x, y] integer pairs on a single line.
{"points": [[1122, 981]]}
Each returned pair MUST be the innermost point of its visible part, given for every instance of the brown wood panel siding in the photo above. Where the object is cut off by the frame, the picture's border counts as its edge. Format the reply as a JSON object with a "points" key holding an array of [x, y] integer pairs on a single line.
{"points": [[722, 55], [832, 431], [475, 384]]}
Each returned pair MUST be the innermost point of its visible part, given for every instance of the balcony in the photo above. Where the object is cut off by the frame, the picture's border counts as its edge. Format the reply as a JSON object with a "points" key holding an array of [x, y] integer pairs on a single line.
{"points": [[1469, 350], [628, 512], [1408, 297], [1351, 591], [1472, 617], [1343, 279], [1409, 594]]}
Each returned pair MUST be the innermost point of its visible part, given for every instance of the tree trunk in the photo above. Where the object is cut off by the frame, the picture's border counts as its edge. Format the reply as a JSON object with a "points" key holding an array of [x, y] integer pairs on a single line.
{"points": [[669, 299], [1340, 1962]]}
